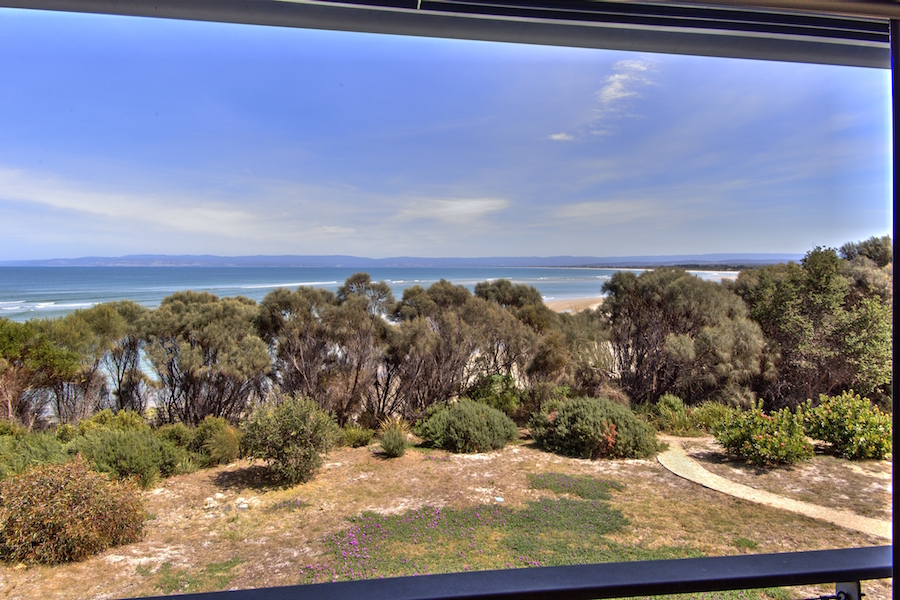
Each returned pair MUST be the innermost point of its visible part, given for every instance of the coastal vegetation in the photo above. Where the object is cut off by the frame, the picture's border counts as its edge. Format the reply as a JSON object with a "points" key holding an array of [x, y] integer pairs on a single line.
{"points": [[761, 362]]}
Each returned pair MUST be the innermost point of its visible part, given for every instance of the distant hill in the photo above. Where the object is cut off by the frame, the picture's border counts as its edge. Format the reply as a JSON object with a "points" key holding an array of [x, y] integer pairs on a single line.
{"points": [[695, 261]]}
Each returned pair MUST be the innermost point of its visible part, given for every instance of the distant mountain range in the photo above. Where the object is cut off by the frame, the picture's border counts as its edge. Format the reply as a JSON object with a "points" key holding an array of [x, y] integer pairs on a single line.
{"points": [[205, 260]]}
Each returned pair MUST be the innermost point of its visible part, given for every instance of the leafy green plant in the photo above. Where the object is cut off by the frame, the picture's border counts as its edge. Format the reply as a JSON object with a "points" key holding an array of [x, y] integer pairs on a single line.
{"points": [[66, 512], [128, 454], [356, 436], [592, 428], [179, 434], [124, 420], [855, 428], [497, 391], [8, 428], [762, 439], [708, 415], [669, 414], [290, 436], [393, 442], [467, 426], [21, 452]]}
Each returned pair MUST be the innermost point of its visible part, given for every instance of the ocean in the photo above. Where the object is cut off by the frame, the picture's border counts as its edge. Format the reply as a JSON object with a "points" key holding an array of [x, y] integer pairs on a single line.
{"points": [[42, 292]]}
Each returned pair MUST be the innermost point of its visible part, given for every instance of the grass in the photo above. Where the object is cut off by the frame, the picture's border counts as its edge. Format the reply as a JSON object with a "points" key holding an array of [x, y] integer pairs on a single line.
{"points": [[214, 576]]}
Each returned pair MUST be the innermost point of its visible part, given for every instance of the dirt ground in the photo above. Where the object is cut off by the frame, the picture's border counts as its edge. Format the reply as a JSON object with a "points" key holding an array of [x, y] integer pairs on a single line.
{"points": [[226, 528]]}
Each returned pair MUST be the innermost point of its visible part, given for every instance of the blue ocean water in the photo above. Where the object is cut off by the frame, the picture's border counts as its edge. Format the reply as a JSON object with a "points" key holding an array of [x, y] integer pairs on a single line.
{"points": [[40, 292]]}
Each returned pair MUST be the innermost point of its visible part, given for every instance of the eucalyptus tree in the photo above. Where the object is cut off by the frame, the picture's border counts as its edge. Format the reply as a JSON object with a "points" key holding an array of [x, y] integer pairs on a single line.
{"points": [[207, 356], [130, 386]]}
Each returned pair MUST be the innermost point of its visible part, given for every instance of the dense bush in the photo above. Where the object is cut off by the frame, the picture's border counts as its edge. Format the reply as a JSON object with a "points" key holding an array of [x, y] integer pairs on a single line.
{"points": [[852, 425], [669, 414], [290, 437], [467, 426], [129, 454], [393, 437], [762, 439], [179, 434], [20, 452], [216, 441], [124, 420], [356, 436], [708, 415], [65, 512], [497, 391], [592, 428]]}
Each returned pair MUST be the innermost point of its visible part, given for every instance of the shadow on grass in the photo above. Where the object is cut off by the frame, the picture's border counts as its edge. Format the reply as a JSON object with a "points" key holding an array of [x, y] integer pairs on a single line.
{"points": [[257, 477], [718, 458]]}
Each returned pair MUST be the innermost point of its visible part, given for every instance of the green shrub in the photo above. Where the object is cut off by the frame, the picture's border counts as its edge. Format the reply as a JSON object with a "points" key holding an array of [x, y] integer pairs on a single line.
{"points": [[670, 415], [26, 450], [468, 426], [128, 454], [124, 420], [393, 442], [290, 437], [356, 436], [215, 441], [179, 434], [592, 428], [497, 391], [762, 439], [855, 428], [708, 415], [10, 428], [65, 433], [66, 512]]}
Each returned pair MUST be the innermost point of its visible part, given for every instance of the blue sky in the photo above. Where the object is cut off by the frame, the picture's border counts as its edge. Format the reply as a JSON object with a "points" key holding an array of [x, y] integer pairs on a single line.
{"points": [[124, 136]]}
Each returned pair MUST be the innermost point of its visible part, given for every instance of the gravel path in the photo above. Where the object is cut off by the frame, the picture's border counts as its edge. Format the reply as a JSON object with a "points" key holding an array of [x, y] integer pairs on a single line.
{"points": [[676, 460]]}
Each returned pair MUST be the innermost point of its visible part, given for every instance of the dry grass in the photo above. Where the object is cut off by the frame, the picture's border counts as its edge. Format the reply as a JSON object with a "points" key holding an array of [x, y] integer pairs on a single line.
{"points": [[195, 545]]}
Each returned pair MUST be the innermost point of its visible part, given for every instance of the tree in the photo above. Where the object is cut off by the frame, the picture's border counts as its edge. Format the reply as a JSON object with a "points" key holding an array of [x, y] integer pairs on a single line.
{"points": [[880, 250], [673, 332], [207, 356], [130, 386], [825, 333]]}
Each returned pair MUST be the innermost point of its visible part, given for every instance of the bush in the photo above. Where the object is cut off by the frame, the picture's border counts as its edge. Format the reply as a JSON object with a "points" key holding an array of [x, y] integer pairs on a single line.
{"points": [[357, 436], [763, 439], [592, 428], [393, 440], [467, 427], [129, 454], [26, 450], [497, 391], [290, 437], [10, 428], [670, 415], [852, 425], [67, 512], [124, 420], [708, 415], [179, 434]]}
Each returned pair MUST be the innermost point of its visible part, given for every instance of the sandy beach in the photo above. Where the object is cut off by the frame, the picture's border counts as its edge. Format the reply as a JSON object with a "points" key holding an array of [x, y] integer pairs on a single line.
{"points": [[573, 305]]}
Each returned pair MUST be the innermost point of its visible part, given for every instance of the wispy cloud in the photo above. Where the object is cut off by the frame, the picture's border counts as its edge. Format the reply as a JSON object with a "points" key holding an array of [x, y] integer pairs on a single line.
{"points": [[561, 137], [459, 211]]}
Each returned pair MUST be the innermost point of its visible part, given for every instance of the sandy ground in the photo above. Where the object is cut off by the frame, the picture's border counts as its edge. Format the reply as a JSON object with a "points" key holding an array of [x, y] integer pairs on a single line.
{"points": [[573, 304]]}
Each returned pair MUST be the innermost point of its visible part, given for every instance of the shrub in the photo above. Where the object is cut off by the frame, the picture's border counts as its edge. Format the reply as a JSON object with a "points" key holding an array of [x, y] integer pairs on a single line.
{"points": [[763, 439], [468, 426], [356, 436], [592, 428], [670, 415], [65, 433], [497, 391], [179, 434], [290, 437], [124, 420], [21, 452], [393, 441], [10, 428], [66, 512], [215, 441], [852, 425], [708, 415], [129, 454]]}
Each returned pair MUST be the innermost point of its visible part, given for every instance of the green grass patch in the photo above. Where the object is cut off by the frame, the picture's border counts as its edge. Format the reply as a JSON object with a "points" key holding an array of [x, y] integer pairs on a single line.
{"points": [[214, 576], [583, 487]]}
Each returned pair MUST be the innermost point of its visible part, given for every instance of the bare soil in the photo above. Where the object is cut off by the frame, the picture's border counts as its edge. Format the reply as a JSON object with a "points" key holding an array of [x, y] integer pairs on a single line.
{"points": [[227, 528]]}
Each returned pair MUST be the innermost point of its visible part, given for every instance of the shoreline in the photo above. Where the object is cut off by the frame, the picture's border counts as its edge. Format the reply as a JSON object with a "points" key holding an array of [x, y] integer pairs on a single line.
{"points": [[573, 305]]}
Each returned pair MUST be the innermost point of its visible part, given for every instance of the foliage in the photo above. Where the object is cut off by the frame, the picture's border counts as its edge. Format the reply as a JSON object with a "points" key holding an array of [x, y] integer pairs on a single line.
{"points": [[124, 420], [497, 391], [207, 356], [673, 332], [138, 455], [216, 440], [290, 433], [879, 250], [670, 415], [707, 416], [765, 439], [852, 425], [592, 428], [67, 512], [825, 331], [588, 488], [393, 437], [18, 453], [356, 436], [179, 434], [468, 426]]}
